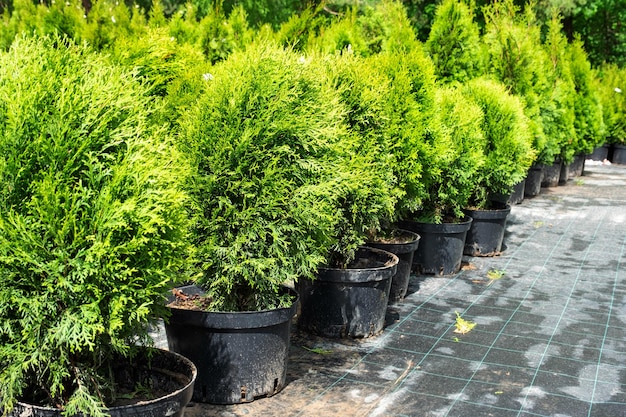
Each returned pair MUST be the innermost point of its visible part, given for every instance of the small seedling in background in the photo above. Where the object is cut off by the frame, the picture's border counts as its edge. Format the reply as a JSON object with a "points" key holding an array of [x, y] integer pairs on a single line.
{"points": [[579, 182], [538, 224], [463, 326], [494, 274]]}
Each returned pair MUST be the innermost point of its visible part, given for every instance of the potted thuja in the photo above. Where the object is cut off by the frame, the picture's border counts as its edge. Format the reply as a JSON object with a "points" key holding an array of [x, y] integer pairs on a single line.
{"points": [[92, 232], [350, 292], [375, 92], [263, 141], [452, 152], [508, 155]]}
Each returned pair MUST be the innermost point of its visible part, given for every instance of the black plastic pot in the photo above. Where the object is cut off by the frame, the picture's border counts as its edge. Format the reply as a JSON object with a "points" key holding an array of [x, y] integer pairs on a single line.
{"points": [[577, 166], [600, 153], [551, 174], [564, 174], [441, 246], [404, 251], [349, 302], [532, 186], [240, 355], [619, 154], [517, 196], [165, 370], [486, 234]]}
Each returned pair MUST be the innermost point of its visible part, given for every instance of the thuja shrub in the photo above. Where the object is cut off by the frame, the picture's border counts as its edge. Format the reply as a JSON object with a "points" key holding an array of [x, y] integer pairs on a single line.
{"points": [[557, 113], [454, 42], [173, 72], [610, 82], [587, 108], [512, 44], [455, 156], [508, 151], [92, 224], [367, 31], [277, 185]]}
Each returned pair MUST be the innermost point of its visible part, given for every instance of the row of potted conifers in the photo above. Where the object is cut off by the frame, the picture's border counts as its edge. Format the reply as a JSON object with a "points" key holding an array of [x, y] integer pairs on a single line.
{"points": [[244, 355]]}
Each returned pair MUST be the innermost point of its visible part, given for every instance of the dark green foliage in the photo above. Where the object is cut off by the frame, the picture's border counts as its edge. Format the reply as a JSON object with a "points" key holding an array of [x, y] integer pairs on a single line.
{"points": [[454, 42], [173, 72], [382, 28], [92, 222], [508, 151]]}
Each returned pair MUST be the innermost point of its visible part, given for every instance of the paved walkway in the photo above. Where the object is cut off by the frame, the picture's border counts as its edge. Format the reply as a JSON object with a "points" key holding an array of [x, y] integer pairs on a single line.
{"points": [[549, 340]]}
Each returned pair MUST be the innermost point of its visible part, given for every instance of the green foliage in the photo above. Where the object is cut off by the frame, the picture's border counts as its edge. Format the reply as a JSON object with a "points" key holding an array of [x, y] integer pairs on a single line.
{"points": [[588, 120], [508, 152], [278, 183], [512, 42], [600, 23], [455, 153], [454, 42], [173, 72], [611, 86], [382, 28], [92, 222]]}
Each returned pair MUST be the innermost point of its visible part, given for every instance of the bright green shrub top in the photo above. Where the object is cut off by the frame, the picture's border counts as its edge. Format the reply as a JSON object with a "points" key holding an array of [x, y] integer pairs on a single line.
{"points": [[508, 152], [383, 113], [279, 186], [611, 86], [92, 221], [454, 42]]}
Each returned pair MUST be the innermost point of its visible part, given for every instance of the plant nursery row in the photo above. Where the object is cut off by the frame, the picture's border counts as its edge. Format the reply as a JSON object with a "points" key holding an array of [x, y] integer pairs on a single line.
{"points": [[188, 166]]}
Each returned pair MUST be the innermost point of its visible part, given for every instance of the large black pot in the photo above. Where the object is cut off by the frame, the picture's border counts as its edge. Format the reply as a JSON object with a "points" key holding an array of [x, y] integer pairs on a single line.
{"points": [[551, 174], [240, 355], [619, 154], [163, 370], [577, 166], [532, 186], [600, 153], [486, 234], [517, 196], [441, 246], [404, 249], [349, 302]]}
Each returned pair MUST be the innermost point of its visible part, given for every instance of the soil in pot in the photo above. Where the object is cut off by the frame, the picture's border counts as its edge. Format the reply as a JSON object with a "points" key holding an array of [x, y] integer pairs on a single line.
{"points": [[403, 244], [532, 186], [240, 356], [349, 302], [486, 234], [440, 251], [166, 380]]}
